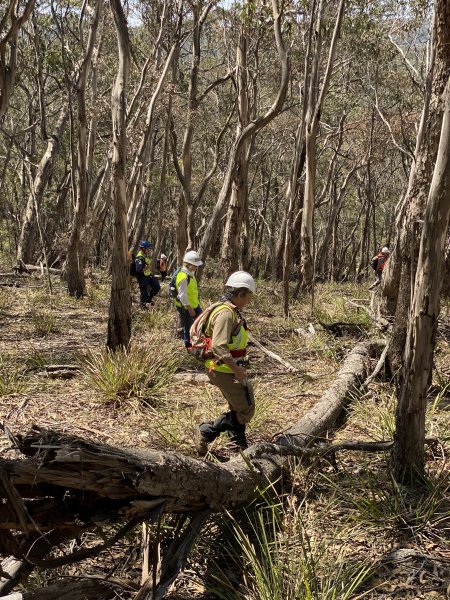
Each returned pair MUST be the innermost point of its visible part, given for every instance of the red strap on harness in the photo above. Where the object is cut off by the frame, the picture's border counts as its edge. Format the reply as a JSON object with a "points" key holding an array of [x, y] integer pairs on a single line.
{"points": [[238, 353]]}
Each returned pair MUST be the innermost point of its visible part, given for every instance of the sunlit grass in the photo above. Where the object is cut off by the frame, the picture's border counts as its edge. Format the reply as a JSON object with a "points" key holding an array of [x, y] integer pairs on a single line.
{"points": [[140, 372], [374, 416], [44, 322], [270, 553], [12, 378], [6, 300]]}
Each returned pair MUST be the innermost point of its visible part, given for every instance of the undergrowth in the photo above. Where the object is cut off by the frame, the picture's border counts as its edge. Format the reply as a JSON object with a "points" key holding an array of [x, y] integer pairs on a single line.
{"points": [[139, 372]]}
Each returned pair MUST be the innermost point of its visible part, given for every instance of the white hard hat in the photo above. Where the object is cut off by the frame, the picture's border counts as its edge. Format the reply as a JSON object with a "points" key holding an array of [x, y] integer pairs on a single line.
{"points": [[241, 279], [192, 258], [163, 256], [385, 250]]}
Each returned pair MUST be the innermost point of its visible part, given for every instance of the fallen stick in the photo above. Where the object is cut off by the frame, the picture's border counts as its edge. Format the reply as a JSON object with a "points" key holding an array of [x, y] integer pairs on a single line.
{"points": [[379, 365], [272, 355]]}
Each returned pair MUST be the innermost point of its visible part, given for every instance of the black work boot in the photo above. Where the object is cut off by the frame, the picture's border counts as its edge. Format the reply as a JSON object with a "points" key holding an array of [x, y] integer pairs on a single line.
{"points": [[237, 435]]}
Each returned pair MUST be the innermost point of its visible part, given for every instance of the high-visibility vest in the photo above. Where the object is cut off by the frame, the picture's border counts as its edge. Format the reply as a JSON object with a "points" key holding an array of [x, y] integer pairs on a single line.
{"points": [[237, 345], [192, 289], [148, 265]]}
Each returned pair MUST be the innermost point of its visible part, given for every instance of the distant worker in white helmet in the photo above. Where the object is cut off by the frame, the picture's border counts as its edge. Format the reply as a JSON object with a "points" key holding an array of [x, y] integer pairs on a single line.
{"points": [[225, 335], [184, 289], [379, 262], [161, 265]]}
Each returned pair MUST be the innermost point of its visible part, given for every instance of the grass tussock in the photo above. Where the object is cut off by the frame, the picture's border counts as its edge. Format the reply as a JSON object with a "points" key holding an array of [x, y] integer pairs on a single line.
{"points": [[12, 379], [271, 552], [6, 300], [140, 372], [44, 322]]}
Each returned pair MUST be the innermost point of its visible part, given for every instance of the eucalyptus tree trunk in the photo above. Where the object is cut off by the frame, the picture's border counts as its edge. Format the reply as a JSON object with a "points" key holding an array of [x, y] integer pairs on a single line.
{"points": [[250, 130], [315, 105], [323, 253], [239, 187], [119, 322], [399, 274], [162, 191], [141, 162], [190, 198], [26, 243], [408, 451], [295, 191], [74, 268], [10, 25], [199, 17]]}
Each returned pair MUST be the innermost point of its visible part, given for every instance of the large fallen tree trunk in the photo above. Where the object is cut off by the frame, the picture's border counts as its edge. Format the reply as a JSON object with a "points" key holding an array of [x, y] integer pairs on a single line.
{"points": [[70, 483]]}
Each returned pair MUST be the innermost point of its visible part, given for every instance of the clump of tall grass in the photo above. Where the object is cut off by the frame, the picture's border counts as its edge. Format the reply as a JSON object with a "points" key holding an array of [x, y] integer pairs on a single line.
{"points": [[6, 300], [12, 379], [374, 417], [269, 554], [140, 372], [44, 322]]}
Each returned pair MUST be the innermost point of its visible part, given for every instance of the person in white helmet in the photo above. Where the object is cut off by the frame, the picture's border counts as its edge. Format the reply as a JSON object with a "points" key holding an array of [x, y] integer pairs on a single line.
{"points": [[161, 265], [185, 292], [227, 329], [379, 262]]}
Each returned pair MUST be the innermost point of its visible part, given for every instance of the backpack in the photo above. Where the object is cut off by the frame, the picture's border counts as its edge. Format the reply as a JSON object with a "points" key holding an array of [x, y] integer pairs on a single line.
{"points": [[173, 292], [201, 343], [133, 271]]}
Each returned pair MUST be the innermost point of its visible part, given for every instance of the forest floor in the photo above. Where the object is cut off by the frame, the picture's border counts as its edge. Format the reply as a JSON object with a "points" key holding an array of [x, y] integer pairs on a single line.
{"points": [[351, 534]]}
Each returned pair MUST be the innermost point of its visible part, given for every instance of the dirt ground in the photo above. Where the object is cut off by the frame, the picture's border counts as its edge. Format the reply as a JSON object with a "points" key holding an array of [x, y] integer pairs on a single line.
{"points": [[52, 348]]}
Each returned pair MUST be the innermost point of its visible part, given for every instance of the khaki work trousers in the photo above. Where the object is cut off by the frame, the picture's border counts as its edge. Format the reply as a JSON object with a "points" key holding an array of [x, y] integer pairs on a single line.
{"points": [[239, 399]]}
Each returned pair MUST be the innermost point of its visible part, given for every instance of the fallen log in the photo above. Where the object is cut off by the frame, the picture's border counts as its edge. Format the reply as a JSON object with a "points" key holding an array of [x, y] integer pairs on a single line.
{"points": [[87, 589], [66, 481], [108, 474]]}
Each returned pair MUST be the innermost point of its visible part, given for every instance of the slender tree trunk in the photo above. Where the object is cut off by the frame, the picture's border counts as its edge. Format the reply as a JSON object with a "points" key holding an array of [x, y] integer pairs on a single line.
{"points": [[25, 249], [119, 323], [408, 452], [75, 264], [252, 128], [400, 268], [239, 186], [141, 162], [10, 25], [315, 105]]}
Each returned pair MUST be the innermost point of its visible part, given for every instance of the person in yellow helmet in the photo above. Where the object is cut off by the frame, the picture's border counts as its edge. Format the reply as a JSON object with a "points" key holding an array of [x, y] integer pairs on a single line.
{"points": [[187, 299], [228, 332]]}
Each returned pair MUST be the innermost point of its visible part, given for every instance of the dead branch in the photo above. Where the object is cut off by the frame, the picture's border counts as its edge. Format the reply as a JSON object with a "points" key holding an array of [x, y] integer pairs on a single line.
{"points": [[272, 355], [88, 589]]}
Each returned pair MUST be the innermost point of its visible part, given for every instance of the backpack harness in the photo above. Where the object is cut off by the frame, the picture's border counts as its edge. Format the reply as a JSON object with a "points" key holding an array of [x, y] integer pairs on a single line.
{"points": [[132, 260], [202, 344], [173, 292]]}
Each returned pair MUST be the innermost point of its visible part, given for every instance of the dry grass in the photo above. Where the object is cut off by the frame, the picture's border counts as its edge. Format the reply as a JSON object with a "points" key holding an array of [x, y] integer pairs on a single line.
{"points": [[132, 400]]}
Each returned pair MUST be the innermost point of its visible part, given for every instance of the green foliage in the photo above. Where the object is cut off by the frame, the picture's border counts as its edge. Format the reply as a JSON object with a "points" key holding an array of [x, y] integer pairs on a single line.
{"points": [[375, 500], [375, 417], [139, 372]]}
